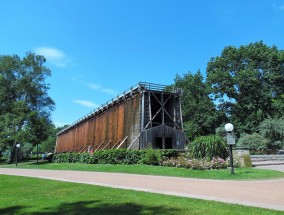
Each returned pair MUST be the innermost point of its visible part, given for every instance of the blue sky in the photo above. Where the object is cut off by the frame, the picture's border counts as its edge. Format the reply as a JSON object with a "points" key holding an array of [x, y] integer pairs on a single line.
{"points": [[96, 49]]}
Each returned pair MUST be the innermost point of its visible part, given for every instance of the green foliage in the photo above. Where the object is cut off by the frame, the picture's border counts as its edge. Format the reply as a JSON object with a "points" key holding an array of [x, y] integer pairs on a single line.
{"points": [[220, 131], [151, 157], [247, 83], [116, 156], [24, 151], [199, 113], [201, 164], [49, 144], [208, 147], [254, 142], [25, 104], [273, 130]]}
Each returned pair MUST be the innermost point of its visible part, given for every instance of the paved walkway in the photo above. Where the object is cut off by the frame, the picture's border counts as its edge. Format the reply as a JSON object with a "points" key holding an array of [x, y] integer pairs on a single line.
{"points": [[259, 193], [271, 167]]}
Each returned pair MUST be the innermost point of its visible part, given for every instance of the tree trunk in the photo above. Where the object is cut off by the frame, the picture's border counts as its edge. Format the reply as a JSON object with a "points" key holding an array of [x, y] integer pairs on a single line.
{"points": [[12, 155]]}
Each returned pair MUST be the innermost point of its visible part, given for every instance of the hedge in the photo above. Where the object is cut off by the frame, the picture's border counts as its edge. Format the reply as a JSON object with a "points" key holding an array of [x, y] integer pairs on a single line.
{"points": [[117, 156]]}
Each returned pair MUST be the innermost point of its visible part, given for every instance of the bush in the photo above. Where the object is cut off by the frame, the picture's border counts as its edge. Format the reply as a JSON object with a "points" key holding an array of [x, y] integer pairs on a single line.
{"points": [[208, 147], [151, 157], [201, 164], [116, 156], [254, 142], [236, 162]]}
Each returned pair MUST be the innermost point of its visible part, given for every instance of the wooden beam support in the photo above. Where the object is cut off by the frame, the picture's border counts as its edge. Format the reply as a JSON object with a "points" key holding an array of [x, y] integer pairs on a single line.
{"points": [[106, 145], [122, 142], [99, 147], [133, 141], [115, 144]]}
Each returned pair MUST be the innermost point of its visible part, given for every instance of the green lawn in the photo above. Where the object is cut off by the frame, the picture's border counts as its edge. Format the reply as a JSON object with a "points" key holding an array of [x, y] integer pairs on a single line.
{"points": [[240, 173], [23, 195]]}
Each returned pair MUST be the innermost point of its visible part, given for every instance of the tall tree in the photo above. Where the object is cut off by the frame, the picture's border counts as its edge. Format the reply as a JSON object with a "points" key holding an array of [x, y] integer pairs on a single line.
{"points": [[199, 113], [49, 144], [25, 104], [247, 83]]}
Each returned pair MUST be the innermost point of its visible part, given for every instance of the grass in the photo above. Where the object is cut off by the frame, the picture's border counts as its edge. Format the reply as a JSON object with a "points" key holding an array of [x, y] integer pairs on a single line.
{"points": [[23, 195], [224, 174]]}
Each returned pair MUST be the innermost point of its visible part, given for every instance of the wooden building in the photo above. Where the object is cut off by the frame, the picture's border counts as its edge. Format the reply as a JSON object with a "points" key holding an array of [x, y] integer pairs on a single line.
{"points": [[147, 115]]}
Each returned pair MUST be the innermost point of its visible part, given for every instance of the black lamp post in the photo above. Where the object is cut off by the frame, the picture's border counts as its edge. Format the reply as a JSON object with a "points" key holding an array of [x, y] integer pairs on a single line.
{"points": [[17, 147], [230, 141]]}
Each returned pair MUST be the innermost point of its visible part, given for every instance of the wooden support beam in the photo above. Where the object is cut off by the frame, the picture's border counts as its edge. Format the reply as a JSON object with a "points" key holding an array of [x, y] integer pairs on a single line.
{"points": [[173, 120], [106, 145], [152, 118], [122, 142], [142, 111], [82, 149], [150, 110], [134, 141], [99, 147], [115, 144]]}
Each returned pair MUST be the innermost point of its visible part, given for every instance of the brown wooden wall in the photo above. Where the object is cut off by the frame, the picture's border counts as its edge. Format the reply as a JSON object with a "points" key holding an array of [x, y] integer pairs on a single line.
{"points": [[105, 130]]}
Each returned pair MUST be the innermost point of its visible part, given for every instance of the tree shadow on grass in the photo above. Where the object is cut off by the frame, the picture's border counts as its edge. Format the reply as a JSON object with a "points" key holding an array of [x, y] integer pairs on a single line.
{"points": [[40, 162], [97, 207], [11, 210]]}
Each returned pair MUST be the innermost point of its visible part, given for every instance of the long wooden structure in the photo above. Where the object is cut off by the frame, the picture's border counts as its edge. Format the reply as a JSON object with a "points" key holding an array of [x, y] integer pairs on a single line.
{"points": [[147, 115]]}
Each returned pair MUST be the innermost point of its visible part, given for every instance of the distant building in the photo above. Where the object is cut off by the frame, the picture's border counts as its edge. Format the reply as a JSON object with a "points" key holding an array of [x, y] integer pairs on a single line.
{"points": [[147, 115]]}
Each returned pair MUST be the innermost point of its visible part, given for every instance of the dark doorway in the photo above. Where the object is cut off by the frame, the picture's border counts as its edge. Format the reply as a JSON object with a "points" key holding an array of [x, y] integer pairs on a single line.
{"points": [[164, 143], [159, 143], [168, 143]]}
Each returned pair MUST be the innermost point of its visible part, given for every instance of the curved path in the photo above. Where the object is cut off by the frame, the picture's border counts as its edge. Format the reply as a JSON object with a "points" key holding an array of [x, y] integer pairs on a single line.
{"points": [[259, 193]]}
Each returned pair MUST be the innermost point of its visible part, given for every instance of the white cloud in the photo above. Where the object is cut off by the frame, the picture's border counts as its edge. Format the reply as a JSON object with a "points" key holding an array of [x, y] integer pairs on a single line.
{"points": [[108, 91], [100, 88], [94, 86], [86, 103], [53, 56], [279, 7]]}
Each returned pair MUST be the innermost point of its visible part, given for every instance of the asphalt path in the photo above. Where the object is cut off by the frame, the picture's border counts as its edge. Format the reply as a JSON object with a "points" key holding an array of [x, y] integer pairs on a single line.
{"points": [[258, 193]]}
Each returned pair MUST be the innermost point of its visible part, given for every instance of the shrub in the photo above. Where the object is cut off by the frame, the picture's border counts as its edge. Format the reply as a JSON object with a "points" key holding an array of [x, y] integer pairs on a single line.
{"points": [[208, 147], [117, 156], [198, 164], [218, 163], [253, 142], [236, 162], [84, 157], [151, 157]]}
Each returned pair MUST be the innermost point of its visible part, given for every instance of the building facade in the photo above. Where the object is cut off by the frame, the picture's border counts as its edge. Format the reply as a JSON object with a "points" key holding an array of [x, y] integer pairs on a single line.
{"points": [[146, 115]]}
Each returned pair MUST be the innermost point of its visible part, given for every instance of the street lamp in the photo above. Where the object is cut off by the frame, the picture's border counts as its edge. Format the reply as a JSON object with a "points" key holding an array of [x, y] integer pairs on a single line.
{"points": [[17, 147], [230, 141]]}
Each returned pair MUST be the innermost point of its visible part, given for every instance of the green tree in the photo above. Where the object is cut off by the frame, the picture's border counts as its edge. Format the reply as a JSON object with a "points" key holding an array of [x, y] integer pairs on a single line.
{"points": [[199, 113], [273, 130], [25, 104], [49, 144], [247, 82]]}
